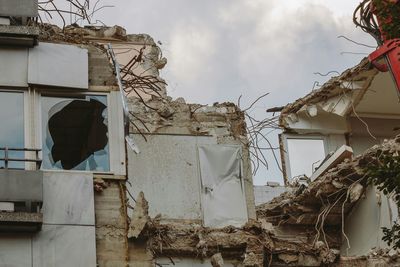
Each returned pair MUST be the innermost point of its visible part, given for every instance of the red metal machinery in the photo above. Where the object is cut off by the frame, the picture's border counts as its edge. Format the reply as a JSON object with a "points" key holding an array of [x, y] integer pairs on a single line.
{"points": [[390, 49]]}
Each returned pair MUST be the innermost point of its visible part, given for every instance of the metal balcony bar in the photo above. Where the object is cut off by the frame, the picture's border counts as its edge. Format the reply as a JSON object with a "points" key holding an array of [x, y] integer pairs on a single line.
{"points": [[7, 159]]}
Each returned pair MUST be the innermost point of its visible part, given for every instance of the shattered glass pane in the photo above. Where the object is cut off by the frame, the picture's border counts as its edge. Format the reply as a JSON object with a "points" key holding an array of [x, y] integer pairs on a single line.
{"points": [[12, 127], [75, 133], [305, 155]]}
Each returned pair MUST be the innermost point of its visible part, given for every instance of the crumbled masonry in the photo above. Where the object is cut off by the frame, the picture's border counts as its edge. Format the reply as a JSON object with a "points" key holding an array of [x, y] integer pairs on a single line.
{"points": [[259, 243], [161, 115]]}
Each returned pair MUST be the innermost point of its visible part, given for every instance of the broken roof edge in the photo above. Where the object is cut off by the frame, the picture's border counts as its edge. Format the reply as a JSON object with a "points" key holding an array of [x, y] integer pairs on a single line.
{"points": [[329, 89], [76, 34]]}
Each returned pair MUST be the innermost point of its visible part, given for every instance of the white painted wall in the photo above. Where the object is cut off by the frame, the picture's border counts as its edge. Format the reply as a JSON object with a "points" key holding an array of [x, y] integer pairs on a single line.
{"points": [[363, 225]]}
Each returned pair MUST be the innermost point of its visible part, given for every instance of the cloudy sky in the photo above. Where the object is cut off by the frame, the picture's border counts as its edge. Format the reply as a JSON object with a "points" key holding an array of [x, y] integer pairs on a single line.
{"points": [[218, 50]]}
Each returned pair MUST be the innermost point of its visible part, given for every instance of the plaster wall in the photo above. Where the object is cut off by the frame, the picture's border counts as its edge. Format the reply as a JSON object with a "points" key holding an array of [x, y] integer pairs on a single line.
{"points": [[264, 194], [166, 170]]}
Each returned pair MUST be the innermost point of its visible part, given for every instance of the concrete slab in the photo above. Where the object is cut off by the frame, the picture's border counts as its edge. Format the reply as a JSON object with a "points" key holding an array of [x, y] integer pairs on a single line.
{"points": [[68, 198], [59, 65], [14, 67]]}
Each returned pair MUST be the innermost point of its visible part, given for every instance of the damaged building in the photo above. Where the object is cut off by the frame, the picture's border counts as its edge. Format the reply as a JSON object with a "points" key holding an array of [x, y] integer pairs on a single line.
{"points": [[93, 174], [343, 128], [100, 167]]}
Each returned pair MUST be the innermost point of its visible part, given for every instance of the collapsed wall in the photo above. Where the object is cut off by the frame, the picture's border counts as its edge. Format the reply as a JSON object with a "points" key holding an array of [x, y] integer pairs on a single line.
{"points": [[167, 221]]}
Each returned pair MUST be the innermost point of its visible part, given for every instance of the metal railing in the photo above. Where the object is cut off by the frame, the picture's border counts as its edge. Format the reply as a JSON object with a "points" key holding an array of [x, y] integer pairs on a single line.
{"points": [[6, 159]]}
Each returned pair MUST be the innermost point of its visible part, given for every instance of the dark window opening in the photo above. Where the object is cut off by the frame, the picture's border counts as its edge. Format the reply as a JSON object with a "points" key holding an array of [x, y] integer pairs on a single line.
{"points": [[75, 133]]}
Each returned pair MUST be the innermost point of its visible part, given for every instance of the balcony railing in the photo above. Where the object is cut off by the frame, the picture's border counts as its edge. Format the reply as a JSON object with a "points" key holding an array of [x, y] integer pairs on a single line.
{"points": [[6, 159]]}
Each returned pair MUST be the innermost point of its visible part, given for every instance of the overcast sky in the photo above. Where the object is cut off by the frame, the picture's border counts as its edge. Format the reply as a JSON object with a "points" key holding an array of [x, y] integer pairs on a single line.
{"points": [[218, 50]]}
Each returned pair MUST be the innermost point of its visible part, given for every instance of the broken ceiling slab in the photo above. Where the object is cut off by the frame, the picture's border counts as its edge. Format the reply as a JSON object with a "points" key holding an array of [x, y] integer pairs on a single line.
{"points": [[20, 221], [334, 87], [342, 153], [326, 123], [22, 36], [58, 65]]}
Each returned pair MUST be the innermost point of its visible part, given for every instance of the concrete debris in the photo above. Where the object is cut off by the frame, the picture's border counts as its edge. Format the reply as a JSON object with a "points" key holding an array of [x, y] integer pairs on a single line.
{"points": [[287, 208], [140, 217], [176, 116], [355, 192], [252, 245], [288, 258], [160, 64], [337, 184], [99, 185], [253, 260], [116, 32], [217, 260]]}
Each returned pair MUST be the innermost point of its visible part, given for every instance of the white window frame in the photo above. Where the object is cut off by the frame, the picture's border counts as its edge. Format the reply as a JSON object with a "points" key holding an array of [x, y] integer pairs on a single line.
{"points": [[33, 125], [285, 153], [27, 144]]}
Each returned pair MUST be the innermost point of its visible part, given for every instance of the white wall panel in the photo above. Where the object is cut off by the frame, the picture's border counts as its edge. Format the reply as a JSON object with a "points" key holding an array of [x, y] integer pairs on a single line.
{"points": [[58, 65], [68, 198], [65, 246], [13, 67]]}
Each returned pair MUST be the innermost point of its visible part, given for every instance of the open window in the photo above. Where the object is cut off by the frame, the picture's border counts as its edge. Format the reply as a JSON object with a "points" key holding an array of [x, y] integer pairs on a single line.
{"points": [[12, 128], [75, 133], [302, 155]]}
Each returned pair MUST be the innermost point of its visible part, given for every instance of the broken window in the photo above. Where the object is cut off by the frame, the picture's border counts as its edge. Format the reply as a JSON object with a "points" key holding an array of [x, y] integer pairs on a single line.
{"points": [[12, 127], [304, 156], [75, 133]]}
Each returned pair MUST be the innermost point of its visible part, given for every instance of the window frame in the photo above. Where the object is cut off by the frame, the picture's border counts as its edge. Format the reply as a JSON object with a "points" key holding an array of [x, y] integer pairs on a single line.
{"points": [[52, 95], [33, 125], [25, 111], [287, 176]]}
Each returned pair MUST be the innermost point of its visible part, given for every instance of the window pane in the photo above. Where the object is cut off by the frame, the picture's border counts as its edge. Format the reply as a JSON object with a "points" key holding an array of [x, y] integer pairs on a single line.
{"points": [[305, 155], [75, 133], [12, 126]]}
